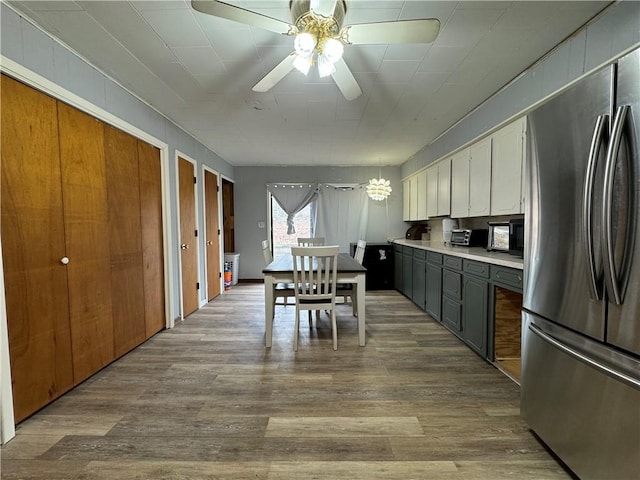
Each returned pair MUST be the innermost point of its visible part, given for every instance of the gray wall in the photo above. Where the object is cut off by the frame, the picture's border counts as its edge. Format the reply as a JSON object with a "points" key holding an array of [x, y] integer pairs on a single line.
{"points": [[30, 47], [613, 32], [385, 219]]}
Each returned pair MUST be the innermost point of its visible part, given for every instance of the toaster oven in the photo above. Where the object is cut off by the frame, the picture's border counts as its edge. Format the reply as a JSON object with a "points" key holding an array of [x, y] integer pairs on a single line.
{"points": [[469, 238]]}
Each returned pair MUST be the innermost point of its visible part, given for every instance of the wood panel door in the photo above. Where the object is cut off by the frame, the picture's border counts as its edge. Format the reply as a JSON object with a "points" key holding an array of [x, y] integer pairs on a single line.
{"points": [[86, 223], [151, 224], [188, 234], [228, 216], [33, 247], [125, 239], [212, 234]]}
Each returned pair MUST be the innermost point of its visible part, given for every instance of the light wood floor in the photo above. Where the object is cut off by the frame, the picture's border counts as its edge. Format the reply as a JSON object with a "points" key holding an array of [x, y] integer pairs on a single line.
{"points": [[206, 400]]}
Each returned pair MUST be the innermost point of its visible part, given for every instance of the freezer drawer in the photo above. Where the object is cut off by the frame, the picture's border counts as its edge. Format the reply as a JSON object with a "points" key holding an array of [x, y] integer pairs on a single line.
{"points": [[585, 407]]}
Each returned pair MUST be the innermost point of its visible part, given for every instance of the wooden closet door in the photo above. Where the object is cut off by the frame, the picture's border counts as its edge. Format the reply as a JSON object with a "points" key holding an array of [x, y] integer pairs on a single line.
{"points": [[86, 220], [33, 247], [228, 217], [212, 234], [151, 223], [125, 239], [188, 240]]}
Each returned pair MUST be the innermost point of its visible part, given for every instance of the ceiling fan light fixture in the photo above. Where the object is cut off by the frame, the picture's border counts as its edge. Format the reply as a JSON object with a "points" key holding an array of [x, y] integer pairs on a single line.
{"points": [[325, 66], [378, 189], [332, 49], [304, 44], [302, 63]]}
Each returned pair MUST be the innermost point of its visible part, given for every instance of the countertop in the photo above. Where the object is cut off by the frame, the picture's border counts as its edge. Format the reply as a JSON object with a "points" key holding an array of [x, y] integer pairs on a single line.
{"points": [[473, 253]]}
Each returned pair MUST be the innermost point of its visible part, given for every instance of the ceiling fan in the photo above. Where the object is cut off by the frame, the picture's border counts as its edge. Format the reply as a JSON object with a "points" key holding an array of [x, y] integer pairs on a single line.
{"points": [[320, 37]]}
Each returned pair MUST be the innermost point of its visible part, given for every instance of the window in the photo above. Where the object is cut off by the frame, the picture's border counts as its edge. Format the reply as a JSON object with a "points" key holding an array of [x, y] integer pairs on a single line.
{"points": [[303, 222]]}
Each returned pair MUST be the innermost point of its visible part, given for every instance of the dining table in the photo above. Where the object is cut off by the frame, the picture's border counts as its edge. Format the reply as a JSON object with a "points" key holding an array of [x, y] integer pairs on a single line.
{"points": [[280, 270]]}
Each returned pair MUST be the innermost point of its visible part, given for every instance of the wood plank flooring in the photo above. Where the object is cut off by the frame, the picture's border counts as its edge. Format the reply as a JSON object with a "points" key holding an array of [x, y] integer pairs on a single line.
{"points": [[206, 400]]}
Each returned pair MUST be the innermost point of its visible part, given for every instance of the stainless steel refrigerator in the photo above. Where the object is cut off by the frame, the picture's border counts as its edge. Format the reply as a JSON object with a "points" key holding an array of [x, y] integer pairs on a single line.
{"points": [[580, 390]]}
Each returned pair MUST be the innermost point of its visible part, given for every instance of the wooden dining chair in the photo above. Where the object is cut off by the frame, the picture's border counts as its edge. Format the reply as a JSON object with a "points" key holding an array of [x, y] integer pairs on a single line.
{"points": [[310, 241], [314, 277], [345, 290], [280, 290]]}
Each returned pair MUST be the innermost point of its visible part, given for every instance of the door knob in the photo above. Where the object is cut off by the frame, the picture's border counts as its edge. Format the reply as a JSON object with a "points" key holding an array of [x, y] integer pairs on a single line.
{"points": [[209, 243], [64, 260], [184, 246]]}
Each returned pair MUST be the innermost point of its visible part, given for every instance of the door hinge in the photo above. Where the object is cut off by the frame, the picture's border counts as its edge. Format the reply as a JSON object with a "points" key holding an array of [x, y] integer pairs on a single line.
{"points": [[218, 231], [217, 188], [196, 233], [219, 274], [197, 285], [194, 179]]}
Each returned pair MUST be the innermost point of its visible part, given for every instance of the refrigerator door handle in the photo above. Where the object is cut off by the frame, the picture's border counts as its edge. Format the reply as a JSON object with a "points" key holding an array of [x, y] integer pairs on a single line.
{"points": [[611, 276], [626, 379], [597, 140]]}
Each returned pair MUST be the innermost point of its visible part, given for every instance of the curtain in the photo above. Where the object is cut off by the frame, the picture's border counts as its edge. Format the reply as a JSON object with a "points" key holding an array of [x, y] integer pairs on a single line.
{"points": [[343, 214], [293, 197]]}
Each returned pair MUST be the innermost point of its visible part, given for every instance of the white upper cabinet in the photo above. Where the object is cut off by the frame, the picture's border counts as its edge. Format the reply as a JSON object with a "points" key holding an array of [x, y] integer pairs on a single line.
{"points": [[413, 198], [444, 187], [422, 195], [406, 200], [460, 184], [480, 179], [506, 169], [438, 178], [432, 191], [485, 179]]}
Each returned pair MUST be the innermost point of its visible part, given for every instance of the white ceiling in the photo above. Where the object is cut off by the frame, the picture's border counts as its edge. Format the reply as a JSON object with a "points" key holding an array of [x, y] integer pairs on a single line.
{"points": [[198, 71]]}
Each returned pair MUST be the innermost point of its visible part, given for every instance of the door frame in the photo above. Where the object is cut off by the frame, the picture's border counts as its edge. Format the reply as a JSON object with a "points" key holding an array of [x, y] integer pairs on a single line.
{"points": [[42, 84], [220, 226], [180, 155]]}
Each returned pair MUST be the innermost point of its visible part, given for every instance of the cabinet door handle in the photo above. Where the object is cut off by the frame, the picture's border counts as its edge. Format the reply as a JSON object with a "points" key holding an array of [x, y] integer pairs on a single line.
{"points": [[64, 260]]}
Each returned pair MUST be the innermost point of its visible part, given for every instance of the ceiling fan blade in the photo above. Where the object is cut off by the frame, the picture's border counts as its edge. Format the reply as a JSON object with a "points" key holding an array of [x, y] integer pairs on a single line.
{"points": [[402, 31], [237, 14], [324, 7], [275, 75], [345, 81]]}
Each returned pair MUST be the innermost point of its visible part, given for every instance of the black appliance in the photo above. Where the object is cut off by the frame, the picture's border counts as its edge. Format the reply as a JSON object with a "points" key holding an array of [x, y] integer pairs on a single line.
{"points": [[415, 231], [469, 238], [378, 260], [516, 237]]}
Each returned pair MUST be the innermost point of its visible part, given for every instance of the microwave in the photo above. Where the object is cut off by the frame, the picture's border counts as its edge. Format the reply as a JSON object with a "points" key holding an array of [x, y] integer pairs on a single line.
{"points": [[498, 239], [516, 237], [507, 237], [469, 238]]}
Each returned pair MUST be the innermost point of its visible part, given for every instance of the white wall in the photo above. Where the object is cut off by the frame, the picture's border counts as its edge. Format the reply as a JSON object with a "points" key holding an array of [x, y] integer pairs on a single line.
{"points": [[251, 205], [613, 32]]}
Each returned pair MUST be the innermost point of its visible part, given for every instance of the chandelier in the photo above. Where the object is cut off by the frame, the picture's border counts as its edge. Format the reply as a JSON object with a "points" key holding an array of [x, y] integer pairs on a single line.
{"points": [[319, 37], [378, 189]]}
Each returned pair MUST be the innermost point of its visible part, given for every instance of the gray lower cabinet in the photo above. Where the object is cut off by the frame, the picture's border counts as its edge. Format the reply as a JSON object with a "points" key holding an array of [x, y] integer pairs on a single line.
{"points": [[452, 315], [455, 291], [433, 285], [452, 294], [474, 308], [475, 305], [419, 277], [397, 267], [407, 271]]}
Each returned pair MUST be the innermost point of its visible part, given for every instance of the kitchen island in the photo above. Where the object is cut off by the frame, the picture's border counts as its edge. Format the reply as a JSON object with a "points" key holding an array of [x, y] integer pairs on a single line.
{"points": [[474, 293]]}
